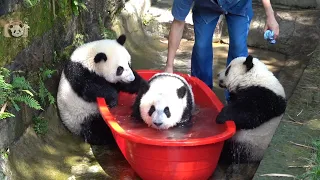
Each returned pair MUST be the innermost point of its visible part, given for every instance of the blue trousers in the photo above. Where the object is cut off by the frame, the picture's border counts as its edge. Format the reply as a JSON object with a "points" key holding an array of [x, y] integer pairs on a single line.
{"points": [[202, 53]]}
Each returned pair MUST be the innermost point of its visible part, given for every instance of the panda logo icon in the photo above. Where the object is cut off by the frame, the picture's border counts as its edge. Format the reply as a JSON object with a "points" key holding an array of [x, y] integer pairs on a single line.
{"points": [[16, 29]]}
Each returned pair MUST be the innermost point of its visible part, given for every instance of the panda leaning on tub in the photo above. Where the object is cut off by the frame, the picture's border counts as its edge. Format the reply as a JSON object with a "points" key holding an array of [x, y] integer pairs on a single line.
{"points": [[257, 104], [100, 68]]}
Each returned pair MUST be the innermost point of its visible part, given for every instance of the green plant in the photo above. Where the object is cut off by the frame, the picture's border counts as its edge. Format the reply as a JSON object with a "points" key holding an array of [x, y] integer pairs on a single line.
{"points": [[40, 125], [77, 5], [78, 40], [4, 153], [146, 20], [44, 93], [62, 6], [313, 171], [30, 3], [106, 33], [17, 90]]}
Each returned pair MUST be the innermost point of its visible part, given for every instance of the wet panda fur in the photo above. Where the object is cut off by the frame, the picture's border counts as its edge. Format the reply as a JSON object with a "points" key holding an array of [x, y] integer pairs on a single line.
{"points": [[100, 68], [257, 104], [166, 101]]}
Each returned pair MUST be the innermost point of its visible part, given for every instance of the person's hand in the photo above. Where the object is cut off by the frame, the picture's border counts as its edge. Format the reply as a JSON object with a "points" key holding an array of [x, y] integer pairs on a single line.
{"points": [[272, 24], [168, 69]]}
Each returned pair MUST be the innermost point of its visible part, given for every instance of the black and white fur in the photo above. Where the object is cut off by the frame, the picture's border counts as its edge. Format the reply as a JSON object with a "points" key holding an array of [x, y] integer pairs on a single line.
{"points": [[165, 102], [257, 104], [100, 68]]}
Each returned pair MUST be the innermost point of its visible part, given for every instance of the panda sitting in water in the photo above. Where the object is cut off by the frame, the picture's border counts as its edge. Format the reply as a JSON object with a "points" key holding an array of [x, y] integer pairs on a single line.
{"points": [[166, 101], [100, 68], [257, 104]]}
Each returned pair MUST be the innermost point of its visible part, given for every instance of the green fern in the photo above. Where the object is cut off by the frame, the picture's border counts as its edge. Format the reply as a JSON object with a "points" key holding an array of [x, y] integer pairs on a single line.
{"points": [[40, 125], [3, 84], [5, 115], [44, 93], [28, 100], [4, 71], [76, 5], [46, 74], [51, 99], [14, 104], [21, 83], [17, 90], [6, 89]]}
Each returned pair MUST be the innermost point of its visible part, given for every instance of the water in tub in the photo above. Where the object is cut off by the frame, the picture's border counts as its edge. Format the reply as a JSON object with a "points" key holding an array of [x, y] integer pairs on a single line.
{"points": [[202, 124]]}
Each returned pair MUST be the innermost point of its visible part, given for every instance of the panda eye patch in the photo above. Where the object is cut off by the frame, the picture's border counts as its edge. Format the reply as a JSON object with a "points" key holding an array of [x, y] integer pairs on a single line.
{"points": [[167, 112], [151, 110], [99, 57], [227, 71], [119, 70]]}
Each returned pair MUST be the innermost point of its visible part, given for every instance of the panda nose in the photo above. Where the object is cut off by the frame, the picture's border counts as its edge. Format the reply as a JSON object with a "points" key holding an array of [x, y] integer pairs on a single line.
{"points": [[218, 74], [158, 124]]}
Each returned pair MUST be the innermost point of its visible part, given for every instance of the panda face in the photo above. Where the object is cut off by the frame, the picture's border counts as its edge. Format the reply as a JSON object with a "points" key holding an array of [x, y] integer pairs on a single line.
{"points": [[114, 63], [163, 108], [116, 67], [244, 72], [107, 58], [16, 30], [237, 68], [159, 114]]}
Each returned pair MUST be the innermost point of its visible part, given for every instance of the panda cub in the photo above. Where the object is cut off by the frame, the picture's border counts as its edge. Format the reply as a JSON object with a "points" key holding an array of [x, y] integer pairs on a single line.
{"points": [[257, 104], [165, 102], [100, 68]]}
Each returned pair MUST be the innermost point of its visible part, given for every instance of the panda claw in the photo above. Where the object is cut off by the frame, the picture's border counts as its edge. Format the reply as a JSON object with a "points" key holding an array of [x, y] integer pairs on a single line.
{"points": [[220, 119]]}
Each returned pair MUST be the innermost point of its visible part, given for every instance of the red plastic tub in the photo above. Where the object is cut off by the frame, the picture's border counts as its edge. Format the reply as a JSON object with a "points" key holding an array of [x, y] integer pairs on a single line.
{"points": [[155, 154]]}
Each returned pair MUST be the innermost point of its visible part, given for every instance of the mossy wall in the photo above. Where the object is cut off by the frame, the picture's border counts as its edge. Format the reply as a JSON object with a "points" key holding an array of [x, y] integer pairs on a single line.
{"points": [[38, 17], [55, 29]]}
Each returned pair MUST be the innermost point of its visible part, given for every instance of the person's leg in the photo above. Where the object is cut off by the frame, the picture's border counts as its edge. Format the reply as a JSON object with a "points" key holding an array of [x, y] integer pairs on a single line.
{"points": [[238, 28], [202, 53]]}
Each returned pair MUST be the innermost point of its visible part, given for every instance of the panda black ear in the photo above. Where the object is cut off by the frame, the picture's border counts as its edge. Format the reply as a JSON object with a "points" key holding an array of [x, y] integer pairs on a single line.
{"points": [[121, 39], [248, 62], [99, 57], [181, 92]]}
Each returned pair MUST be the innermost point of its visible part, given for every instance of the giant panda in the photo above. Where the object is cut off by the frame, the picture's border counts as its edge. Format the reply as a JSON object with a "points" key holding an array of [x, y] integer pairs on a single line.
{"points": [[257, 104], [100, 68], [166, 101]]}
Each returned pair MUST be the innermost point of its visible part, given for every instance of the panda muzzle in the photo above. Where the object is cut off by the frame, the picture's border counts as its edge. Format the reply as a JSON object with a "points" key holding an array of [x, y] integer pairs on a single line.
{"points": [[221, 84], [129, 77]]}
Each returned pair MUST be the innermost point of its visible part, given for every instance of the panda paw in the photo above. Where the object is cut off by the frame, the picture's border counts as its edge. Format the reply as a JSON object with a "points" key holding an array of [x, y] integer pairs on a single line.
{"points": [[220, 118]]}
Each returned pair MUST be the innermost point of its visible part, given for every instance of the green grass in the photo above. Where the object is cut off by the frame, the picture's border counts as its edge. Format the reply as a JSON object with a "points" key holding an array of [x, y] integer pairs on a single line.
{"points": [[313, 169]]}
